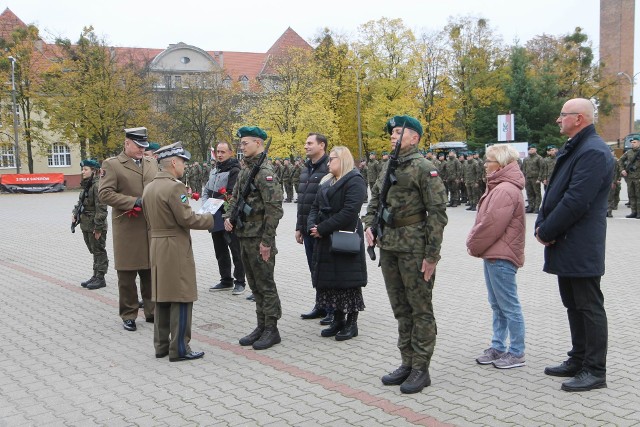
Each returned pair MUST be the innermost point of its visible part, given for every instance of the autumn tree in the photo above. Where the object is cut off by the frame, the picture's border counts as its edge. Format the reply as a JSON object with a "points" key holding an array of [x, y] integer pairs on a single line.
{"points": [[94, 95], [25, 46], [294, 102]]}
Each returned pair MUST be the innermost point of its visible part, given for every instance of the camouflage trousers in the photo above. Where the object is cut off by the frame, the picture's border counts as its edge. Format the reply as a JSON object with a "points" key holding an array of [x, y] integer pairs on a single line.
{"points": [[454, 191], [99, 251], [633, 190], [473, 193], [534, 193], [260, 279], [288, 186], [410, 298], [614, 197]]}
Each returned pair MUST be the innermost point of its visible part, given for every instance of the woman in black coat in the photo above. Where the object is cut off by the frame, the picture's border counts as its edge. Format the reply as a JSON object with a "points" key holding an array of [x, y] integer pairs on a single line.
{"points": [[339, 278]]}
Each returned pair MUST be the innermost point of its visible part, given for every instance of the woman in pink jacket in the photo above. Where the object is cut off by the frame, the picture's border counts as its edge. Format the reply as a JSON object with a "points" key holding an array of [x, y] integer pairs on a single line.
{"points": [[498, 238]]}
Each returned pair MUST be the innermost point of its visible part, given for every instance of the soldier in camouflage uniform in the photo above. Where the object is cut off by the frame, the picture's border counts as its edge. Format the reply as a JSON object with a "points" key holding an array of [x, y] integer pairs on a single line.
{"points": [[295, 175], [409, 252], [470, 175], [93, 223], [258, 237], [532, 169], [287, 171], [615, 186], [548, 164], [373, 170], [630, 163], [452, 171]]}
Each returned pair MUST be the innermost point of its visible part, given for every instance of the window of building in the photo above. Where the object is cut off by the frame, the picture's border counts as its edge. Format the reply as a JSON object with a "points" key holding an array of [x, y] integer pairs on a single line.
{"points": [[226, 82], [177, 80], [59, 155], [244, 82], [7, 156]]}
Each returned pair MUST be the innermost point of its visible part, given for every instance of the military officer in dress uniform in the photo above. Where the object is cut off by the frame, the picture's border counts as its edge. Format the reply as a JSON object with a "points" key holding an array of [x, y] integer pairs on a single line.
{"points": [[409, 252], [122, 180], [166, 207], [258, 237]]}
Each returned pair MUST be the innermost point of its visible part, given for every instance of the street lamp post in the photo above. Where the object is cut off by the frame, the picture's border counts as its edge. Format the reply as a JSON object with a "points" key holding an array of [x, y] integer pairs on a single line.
{"points": [[15, 112]]}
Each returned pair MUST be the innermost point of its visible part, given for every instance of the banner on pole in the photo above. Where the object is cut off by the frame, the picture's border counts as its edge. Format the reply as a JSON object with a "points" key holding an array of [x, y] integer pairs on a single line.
{"points": [[506, 127]]}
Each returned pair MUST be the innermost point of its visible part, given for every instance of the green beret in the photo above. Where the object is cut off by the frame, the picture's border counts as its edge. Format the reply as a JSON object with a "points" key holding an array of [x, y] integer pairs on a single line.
{"points": [[407, 121], [385, 153], [93, 164], [549, 147], [533, 146], [372, 152], [153, 146], [254, 131]]}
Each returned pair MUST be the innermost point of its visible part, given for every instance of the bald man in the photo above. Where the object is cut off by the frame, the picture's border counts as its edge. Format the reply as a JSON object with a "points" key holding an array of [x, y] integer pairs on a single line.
{"points": [[572, 225]]}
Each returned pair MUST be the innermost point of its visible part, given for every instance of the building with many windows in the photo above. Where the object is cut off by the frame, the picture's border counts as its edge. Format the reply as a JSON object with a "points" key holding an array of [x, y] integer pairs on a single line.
{"points": [[171, 67]]}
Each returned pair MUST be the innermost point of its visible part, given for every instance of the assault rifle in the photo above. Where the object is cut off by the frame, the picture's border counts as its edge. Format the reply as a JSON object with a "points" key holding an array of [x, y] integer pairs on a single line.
{"points": [[382, 214], [242, 208], [75, 223]]}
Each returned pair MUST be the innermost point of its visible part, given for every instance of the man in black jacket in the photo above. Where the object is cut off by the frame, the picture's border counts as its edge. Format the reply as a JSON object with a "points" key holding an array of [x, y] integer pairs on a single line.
{"points": [[220, 186], [572, 225], [312, 172]]}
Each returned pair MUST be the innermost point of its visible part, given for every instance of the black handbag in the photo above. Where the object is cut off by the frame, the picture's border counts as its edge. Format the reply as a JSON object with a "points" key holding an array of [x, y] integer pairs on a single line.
{"points": [[345, 242]]}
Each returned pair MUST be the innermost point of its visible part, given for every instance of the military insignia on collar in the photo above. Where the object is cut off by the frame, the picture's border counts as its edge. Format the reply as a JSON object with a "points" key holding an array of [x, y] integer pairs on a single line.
{"points": [[269, 178], [183, 198], [434, 173], [102, 173]]}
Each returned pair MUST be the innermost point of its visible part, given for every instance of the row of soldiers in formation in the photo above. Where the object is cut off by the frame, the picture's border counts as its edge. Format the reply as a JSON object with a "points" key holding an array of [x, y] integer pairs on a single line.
{"points": [[464, 175], [196, 175]]}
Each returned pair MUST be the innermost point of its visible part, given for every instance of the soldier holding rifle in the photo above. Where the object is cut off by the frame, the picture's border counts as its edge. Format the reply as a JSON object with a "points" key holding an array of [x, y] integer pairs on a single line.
{"points": [[412, 219]]}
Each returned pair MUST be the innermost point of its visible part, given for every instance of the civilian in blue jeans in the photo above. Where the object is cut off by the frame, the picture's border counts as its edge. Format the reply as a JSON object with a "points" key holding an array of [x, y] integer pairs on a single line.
{"points": [[498, 238]]}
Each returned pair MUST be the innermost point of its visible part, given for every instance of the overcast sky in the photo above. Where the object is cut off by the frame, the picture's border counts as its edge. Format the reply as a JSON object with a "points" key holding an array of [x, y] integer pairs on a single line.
{"points": [[253, 26]]}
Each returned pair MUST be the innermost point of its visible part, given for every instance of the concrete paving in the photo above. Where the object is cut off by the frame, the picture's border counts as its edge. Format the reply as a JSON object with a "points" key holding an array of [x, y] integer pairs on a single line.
{"points": [[66, 360]]}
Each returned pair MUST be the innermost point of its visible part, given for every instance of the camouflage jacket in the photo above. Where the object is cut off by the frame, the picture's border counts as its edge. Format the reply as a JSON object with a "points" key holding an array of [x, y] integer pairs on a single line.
{"points": [[419, 191], [373, 170], [452, 169], [94, 215], [532, 167], [265, 199], [470, 171], [630, 162], [548, 164]]}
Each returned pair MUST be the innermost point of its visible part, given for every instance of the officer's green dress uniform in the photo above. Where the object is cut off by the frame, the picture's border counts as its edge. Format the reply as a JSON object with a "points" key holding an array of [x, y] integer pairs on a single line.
{"points": [[93, 218], [418, 204], [173, 272], [259, 227]]}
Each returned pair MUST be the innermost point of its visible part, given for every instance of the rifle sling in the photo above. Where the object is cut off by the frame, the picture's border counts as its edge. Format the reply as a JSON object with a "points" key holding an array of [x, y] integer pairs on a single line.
{"points": [[408, 220]]}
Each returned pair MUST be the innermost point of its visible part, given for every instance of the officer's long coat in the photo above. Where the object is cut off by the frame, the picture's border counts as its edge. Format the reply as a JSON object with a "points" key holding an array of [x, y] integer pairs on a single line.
{"points": [[121, 183], [173, 270]]}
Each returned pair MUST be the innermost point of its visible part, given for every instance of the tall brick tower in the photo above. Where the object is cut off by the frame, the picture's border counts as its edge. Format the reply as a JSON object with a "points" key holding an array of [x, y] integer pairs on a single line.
{"points": [[616, 51]]}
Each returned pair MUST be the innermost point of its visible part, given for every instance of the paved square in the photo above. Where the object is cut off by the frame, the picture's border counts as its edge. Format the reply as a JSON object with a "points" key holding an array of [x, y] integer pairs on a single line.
{"points": [[66, 360]]}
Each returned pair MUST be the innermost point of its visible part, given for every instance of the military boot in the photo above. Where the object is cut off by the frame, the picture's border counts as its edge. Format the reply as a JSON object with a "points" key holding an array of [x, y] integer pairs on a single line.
{"points": [[253, 336], [270, 337], [350, 328], [417, 380], [86, 282], [473, 207], [336, 325], [97, 283]]}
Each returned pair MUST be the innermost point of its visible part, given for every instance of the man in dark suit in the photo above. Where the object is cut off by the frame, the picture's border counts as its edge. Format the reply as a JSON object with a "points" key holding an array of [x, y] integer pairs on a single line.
{"points": [[572, 225]]}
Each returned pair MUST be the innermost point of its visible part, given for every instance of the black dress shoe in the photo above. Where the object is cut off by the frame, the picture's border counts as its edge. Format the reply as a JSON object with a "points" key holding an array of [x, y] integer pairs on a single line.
{"points": [[161, 355], [397, 377], [129, 325], [316, 313], [327, 320], [192, 355], [584, 381], [568, 368], [417, 380], [149, 319]]}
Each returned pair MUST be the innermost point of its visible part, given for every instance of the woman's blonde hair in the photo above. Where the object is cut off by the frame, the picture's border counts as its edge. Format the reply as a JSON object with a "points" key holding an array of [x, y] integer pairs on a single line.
{"points": [[504, 154], [344, 158]]}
